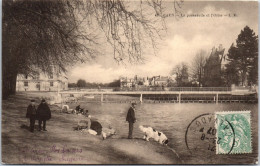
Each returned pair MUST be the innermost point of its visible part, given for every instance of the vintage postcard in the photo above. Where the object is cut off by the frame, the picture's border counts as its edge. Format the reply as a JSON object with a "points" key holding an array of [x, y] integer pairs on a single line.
{"points": [[129, 82]]}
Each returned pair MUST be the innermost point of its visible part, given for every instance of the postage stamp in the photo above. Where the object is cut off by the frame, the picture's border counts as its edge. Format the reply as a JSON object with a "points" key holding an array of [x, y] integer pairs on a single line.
{"points": [[233, 132]]}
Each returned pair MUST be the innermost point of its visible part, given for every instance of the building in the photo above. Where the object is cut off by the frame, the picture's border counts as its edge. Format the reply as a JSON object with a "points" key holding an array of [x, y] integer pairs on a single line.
{"points": [[126, 82], [42, 82], [144, 81], [160, 81], [212, 70]]}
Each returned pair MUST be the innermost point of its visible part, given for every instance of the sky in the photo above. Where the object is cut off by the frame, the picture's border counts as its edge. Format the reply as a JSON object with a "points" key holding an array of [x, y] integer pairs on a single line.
{"points": [[184, 37]]}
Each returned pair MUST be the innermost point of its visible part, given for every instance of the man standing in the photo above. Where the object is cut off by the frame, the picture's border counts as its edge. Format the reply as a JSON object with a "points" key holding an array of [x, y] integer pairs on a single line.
{"points": [[31, 114], [131, 119], [43, 114]]}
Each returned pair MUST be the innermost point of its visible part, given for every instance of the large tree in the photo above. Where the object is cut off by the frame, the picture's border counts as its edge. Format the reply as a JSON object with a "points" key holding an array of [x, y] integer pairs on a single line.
{"points": [[38, 34], [81, 83], [181, 74], [243, 59], [197, 66], [231, 74]]}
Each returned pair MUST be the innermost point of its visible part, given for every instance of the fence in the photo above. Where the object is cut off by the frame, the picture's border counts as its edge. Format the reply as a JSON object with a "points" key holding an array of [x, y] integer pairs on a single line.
{"points": [[164, 98], [139, 88], [160, 96]]}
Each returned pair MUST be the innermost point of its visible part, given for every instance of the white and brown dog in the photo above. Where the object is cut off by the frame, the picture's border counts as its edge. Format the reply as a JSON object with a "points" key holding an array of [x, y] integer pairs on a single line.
{"points": [[156, 135]]}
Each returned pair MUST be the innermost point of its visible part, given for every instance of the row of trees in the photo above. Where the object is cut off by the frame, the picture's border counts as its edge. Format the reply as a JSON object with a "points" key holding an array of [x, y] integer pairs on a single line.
{"points": [[214, 69], [239, 66], [81, 83]]}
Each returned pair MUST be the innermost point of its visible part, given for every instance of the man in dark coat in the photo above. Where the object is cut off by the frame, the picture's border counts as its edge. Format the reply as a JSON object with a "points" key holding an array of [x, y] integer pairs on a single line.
{"points": [[43, 114], [31, 114], [131, 119]]}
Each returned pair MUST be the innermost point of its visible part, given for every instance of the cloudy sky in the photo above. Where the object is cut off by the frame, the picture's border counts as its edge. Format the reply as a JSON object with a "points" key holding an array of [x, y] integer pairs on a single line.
{"points": [[184, 38]]}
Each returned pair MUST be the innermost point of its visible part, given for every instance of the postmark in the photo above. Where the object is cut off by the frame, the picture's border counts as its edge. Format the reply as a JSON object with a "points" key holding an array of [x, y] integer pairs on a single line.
{"points": [[233, 132], [201, 134]]}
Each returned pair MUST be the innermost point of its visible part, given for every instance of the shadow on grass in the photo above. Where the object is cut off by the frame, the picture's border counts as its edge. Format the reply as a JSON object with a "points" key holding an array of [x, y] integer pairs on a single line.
{"points": [[25, 127]]}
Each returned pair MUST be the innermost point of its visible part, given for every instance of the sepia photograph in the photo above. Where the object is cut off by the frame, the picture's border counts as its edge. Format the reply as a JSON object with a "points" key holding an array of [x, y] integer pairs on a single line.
{"points": [[129, 82]]}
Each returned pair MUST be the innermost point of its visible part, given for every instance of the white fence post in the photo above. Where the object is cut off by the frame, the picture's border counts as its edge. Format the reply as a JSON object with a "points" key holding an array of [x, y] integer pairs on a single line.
{"points": [[141, 98], [102, 97]]}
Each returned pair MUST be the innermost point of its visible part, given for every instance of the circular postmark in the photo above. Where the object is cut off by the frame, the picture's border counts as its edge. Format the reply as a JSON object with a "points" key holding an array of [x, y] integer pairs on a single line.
{"points": [[201, 134]]}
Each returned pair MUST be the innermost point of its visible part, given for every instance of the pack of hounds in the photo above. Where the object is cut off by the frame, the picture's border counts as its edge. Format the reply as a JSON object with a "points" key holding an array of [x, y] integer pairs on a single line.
{"points": [[149, 132], [77, 110]]}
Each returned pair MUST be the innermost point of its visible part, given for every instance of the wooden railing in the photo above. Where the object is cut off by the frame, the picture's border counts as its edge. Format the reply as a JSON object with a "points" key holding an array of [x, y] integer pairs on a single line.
{"points": [[179, 89]]}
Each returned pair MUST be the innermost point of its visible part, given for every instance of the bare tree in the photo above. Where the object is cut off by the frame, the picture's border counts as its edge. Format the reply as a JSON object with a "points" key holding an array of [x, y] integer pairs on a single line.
{"points": [[43, 33], [181, 74], [198, 65]]}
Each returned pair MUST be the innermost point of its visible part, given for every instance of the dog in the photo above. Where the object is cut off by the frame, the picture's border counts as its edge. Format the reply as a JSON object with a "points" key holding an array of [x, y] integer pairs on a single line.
{"points": [[90, 131], [156, 135], [108, 132], [66, 109]]}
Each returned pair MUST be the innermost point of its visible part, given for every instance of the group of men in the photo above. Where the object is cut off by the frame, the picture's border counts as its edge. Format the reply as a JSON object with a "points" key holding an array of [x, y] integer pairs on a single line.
{"points": [[42, 114]]}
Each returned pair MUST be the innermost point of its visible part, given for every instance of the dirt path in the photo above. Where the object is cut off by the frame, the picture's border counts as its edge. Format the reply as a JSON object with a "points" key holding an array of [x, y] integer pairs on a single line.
{"points": [[62, 145]]}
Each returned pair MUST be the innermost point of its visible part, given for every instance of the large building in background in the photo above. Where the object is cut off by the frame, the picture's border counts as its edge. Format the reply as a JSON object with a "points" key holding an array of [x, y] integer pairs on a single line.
{"points": [[42, 82], [145, 81], [212, 70]]}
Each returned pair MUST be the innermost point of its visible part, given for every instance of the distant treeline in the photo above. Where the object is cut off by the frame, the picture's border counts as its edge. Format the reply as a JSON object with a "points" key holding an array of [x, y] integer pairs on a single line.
{"points": [[81, 83]]}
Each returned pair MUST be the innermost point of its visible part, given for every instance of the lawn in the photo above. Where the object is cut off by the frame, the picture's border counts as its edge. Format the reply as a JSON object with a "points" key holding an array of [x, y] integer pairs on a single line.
{"points": [[61, 144]]}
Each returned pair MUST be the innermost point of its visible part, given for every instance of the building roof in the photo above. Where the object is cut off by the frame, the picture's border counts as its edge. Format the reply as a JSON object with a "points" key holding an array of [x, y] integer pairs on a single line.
{"points": [[161, 79]]}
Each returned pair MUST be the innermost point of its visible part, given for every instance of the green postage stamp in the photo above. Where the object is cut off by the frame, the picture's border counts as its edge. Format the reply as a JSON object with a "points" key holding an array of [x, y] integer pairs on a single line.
{"points": [[233, 132]]}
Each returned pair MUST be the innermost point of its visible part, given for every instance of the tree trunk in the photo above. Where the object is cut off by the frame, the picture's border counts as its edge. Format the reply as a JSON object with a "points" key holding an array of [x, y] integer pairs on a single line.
{"points": [[244, 78], [8, 83], [200, 77]]}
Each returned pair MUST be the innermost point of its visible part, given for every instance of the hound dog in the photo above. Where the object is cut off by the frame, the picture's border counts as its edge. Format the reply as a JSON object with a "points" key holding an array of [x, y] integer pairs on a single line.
{"points": [[156, 135], [106, 133], [66, 109]]}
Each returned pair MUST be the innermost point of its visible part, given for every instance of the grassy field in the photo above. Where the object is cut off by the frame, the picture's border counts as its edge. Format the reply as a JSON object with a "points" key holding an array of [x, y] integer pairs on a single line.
{"points": [[172, 119], [62, 145]]}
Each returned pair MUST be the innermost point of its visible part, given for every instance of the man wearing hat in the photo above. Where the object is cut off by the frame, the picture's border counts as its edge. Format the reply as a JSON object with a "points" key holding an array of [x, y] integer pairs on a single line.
{"points": [[43, 114], [131, 119], [31, 114]]}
